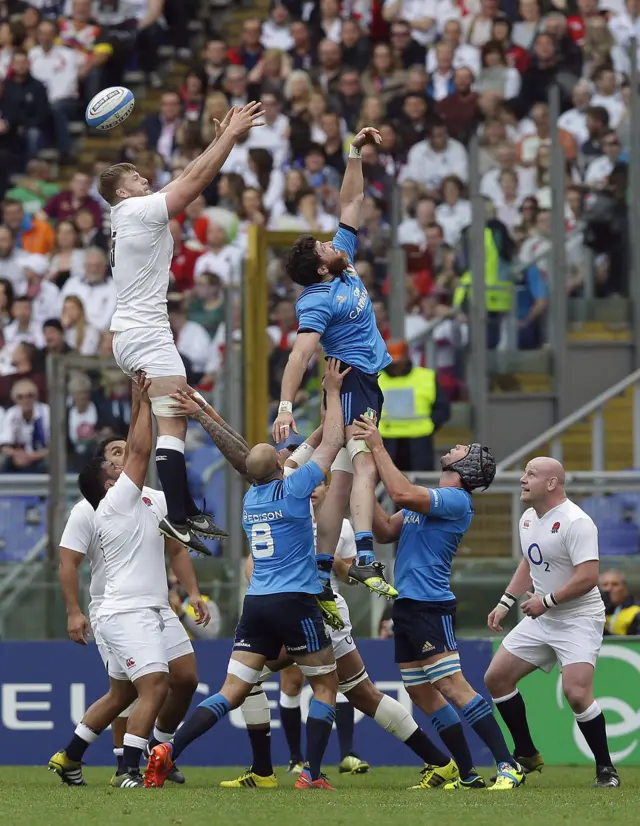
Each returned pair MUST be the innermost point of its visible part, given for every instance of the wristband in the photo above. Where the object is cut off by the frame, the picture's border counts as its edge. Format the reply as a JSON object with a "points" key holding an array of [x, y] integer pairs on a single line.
{"points": [[285, 407], [549, 601], [507, 601], [354, 152], [302, 454], [200, 399]]}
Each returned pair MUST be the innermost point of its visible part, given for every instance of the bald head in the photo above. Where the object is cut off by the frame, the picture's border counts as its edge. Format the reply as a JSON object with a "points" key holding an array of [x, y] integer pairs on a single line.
{"points": [[263, 463], [542, 485]]}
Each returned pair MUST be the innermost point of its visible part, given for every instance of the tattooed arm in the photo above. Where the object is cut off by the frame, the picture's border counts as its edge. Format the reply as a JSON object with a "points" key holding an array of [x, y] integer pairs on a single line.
{"points": [[232, 446]]}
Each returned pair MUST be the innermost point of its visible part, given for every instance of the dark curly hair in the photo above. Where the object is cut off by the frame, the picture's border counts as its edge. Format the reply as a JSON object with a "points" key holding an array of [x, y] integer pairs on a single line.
{"points": [[303, 261]]}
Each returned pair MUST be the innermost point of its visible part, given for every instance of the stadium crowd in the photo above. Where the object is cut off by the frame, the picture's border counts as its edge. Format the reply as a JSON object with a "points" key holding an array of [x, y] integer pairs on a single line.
{"points": [[429, 74]]}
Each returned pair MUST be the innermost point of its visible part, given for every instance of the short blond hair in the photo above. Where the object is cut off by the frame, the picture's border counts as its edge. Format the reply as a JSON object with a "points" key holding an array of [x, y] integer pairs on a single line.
{"points": [[110, 180]]}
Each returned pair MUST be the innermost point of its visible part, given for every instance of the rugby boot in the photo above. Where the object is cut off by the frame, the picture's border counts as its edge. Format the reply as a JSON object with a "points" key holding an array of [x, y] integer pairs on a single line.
{"points": [[69, 771], [373, 577], [185, 535]]}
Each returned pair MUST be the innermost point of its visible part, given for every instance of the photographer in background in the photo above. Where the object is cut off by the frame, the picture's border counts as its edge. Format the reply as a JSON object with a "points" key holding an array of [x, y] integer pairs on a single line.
{"points": [[621, 608]]}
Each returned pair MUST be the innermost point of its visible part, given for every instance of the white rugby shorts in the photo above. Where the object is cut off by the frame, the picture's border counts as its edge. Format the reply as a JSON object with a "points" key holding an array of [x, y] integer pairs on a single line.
{"points": [[342, 639], [141, 642], [151, 349], [548, 640]]}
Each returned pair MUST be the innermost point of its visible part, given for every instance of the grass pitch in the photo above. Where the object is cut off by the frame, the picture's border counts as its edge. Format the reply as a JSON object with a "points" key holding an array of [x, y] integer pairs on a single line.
{"points": [[32, 797]]}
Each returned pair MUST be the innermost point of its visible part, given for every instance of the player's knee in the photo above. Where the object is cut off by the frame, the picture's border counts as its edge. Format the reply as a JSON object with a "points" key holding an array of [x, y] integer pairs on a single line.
{"points": [[498, 684], [153, 687], [291, 682], [578, 696], [185, 682], [455, 688], [365, 697]]}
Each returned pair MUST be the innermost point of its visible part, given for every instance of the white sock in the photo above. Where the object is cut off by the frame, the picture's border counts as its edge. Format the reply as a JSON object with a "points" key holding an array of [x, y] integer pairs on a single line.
{"points": [[394, 718], [87, 734], [589, 714], [290, 702], [162, 736]]}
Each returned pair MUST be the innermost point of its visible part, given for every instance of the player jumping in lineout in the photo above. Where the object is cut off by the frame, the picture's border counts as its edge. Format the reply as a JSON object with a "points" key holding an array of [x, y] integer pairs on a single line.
{"points": [[335, 311], [141, 252]]}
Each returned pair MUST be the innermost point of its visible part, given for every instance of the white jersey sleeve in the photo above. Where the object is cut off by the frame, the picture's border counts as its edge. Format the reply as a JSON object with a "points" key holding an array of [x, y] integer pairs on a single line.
{"points": [[79, 531], [124, 496], [582, 541]]}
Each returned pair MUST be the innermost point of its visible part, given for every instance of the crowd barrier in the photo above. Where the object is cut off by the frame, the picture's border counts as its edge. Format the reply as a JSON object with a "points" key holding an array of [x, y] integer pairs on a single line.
{"points": [[46, 687]]}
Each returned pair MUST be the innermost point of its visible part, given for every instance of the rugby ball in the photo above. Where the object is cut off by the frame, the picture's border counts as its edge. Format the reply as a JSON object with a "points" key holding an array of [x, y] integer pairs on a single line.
{"points": [[109, 108]]}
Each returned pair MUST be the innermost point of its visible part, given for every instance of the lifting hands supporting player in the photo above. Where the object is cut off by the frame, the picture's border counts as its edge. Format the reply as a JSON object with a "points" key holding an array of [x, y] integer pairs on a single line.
{"points": [[280, 608]]}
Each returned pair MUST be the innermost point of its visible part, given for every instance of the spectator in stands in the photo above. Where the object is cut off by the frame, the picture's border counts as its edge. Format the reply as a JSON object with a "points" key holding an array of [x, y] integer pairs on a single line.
{"points": [[598, 171], [67, 260], [250, 50], [78, 333], [529, 146], [162, 129], [79, 32], [349, 98], [82, 421], [114, 407], [206, 305], [54, 340], [23, 327], [574, 120], [219, 256], [327, 75], [273, 135], [6, 301], [421, 16], [215, 63], [283, 329], [480, 25], [530, 23], [507, 159], [517, 57], [12, 260], [25, 106], [66, 205], [460, 110], [405, 49], [441, 79], [532, 306], [90, 232], [356, 48], [496, 75], [96, 289], [31, 234], [464, 54], [25, 432], [607, 95], [543, 71], [621, 607], [415, 407], [235, 85], [432, 160], [454, 213], [191, 339], [44, 295], [303, 53], [35, 188], [57, 67], [276, 31], [183, 260], [24, 364]]}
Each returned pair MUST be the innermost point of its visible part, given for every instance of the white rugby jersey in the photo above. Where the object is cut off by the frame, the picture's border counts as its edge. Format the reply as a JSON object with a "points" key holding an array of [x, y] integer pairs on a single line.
{"points": [[141, 253], [553, 545], [80, 535], [345, 549], [132, 549]]}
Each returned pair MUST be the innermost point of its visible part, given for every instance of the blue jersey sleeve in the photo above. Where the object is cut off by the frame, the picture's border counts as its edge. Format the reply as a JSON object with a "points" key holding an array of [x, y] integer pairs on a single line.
{"points": [[346, 240], [538, 287], [304, 481], [314, 312], [449, 503]]}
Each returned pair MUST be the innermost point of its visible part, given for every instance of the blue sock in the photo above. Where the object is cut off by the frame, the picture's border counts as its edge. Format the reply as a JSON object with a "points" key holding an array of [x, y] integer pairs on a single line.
{"points": [[480, 717], [449, 728], [319, 722], [207, 714], [364, 546]]}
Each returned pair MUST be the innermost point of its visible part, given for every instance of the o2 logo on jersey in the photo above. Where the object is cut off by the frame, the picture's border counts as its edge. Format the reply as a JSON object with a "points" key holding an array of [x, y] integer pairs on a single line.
{"points": [[535, 556]]}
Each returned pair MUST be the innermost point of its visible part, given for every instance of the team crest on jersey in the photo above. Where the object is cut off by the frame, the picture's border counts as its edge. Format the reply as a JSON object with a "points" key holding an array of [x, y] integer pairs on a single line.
{"points": [[526, 523], [147, 501], [342, 299], [130, 663], [427, 647], [555, 527], [371, 414]]}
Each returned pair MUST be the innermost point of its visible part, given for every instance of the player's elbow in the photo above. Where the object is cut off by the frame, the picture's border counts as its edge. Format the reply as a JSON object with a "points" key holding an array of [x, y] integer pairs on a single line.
{"points": [[402, 498]]}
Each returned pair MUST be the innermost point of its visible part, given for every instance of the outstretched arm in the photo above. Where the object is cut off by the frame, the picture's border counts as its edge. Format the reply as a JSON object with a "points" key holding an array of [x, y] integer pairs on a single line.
{"points": [[352, 192], [140, 443], [206, 167], [234, 449], [303, 349]]}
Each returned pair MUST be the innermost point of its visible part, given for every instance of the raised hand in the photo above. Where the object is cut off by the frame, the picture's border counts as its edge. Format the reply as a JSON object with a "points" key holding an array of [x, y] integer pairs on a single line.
{"points": [[243, 120], [367, 135]]}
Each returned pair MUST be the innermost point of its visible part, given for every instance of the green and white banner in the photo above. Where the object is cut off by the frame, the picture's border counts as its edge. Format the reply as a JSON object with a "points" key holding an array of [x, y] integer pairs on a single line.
{"points": [[617, 690]]}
